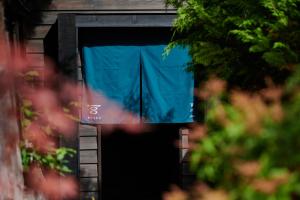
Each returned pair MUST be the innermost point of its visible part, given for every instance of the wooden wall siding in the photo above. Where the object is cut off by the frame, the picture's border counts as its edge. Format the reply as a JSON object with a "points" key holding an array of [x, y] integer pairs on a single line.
{"points": [[34, 47], [106, 4], [88, 170], [86, 130], [40, 31], [87, 143], [89, 161], [80, 77]]}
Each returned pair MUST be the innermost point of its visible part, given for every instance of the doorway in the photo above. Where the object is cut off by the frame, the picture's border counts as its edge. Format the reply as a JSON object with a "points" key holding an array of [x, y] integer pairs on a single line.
{"points": [[141, 166]]}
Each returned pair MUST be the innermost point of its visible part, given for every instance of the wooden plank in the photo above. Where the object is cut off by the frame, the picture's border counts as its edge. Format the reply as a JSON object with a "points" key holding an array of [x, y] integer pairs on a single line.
{"points": [[162, 20], [88, 143], [183, 154], [50, 16], [40, 31], [79, 73], [34, 46], [184, 143], [89, 196], [88, 156], [89, 184], [87, 130], [88, 170], [36, 59], [184, 131], [107, 4], [186, 157]]}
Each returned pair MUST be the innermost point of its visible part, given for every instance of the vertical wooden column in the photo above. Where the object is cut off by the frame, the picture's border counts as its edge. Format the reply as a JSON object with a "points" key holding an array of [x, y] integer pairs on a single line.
{"points": [[66, 58]]}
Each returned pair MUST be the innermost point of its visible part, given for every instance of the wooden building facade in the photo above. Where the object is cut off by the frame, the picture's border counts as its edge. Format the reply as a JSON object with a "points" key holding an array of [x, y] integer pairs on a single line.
{"points": [[57, 19]]}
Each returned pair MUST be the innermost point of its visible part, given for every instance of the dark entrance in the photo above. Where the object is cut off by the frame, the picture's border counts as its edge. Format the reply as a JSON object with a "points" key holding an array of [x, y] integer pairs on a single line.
{"points": [[140, 166]]}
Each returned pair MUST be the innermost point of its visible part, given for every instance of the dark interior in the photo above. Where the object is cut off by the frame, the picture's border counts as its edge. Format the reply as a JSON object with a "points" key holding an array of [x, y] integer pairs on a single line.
{"points": [[123, 36], [140, 167]]}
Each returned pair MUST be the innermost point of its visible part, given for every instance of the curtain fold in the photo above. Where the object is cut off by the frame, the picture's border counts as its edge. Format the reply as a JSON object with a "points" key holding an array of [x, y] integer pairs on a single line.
{"points": [[167, 88]]}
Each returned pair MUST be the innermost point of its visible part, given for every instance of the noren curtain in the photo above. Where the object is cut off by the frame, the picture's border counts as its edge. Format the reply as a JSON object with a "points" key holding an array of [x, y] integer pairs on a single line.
{"points": [[139, 80]]}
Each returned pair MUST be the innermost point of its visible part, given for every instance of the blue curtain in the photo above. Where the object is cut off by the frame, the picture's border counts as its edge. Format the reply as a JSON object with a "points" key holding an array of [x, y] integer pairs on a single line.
{"points": [[121, 73]]}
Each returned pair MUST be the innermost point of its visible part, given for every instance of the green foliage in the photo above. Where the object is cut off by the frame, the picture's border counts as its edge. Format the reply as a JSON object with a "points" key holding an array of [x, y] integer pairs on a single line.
{"points": [[240, 41], [250, 147], [45, 155], [56, 160]]}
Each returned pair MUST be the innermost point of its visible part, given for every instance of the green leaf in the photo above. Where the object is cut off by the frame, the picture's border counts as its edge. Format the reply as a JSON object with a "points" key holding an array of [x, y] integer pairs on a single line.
{"points": [[279, 45], [274, 58], [257, 48], [208, 146]]}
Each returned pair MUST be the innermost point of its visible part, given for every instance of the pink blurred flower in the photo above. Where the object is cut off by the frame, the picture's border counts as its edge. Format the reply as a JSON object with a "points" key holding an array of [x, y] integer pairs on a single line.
{"points": [[57, 187], [44, 100], [52, 185], [59, 121], [39, 139]]}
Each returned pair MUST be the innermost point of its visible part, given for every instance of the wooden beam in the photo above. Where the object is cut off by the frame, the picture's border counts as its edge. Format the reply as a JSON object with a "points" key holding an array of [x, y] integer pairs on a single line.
{"points": [[50, 16], [67, 45], [163, 20], [107, 5], [66, 60]]}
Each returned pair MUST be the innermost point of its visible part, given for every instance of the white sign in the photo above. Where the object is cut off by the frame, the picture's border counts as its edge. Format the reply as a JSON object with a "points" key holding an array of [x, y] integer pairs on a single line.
{"points": [[93, 109]]}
